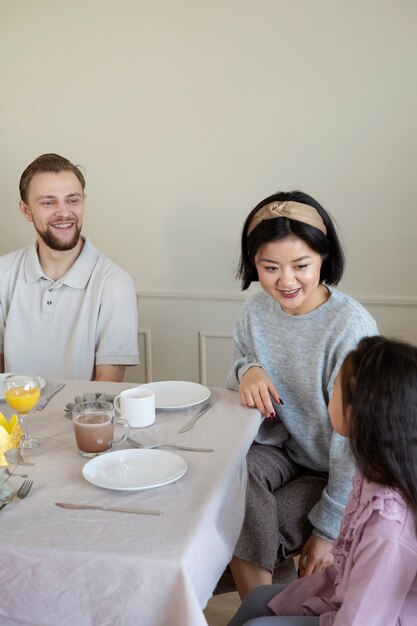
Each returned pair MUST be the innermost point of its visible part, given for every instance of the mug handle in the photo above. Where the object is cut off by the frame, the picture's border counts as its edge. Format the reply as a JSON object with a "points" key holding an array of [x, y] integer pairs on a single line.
{"points": [[116, 403], [125, 425]]}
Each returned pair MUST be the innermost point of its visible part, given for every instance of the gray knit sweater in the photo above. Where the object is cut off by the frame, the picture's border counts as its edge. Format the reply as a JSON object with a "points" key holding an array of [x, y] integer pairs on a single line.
{"points": [[302, 355]]}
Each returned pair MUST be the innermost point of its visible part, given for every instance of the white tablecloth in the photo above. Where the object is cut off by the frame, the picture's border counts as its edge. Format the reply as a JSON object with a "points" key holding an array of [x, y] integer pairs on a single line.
{"points": [[73, 567]]}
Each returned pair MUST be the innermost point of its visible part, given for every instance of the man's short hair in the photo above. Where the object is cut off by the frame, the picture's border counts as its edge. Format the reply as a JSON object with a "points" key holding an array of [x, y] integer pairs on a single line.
{"points": [[47, 163]]}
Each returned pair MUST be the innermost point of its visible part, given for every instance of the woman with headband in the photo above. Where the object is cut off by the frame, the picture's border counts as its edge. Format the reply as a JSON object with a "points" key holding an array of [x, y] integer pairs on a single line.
{"points": [[290, 341]]}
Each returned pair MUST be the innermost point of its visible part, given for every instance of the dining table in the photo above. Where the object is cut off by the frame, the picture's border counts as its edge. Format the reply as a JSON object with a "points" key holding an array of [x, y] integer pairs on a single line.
{"points": [[103, 568]]}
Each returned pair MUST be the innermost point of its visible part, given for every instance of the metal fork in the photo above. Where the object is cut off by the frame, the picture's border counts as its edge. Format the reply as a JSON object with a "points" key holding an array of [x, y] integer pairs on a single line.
{"points": [[22, 492], [136, 444], [190, 424]]}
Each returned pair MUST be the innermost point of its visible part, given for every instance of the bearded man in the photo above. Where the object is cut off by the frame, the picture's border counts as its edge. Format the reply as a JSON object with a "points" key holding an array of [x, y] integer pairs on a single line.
{"points": [[66, 311]]}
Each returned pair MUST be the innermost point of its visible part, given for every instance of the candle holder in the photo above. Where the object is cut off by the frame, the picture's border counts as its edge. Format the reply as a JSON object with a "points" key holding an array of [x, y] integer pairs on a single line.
{"points": [[10, 435]]}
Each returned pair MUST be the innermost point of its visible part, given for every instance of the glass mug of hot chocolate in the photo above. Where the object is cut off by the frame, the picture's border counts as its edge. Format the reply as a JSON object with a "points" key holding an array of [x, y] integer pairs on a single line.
{"points": [[94, 426]]}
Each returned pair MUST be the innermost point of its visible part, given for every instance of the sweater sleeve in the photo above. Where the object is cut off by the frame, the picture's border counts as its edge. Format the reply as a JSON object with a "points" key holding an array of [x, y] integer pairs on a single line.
{"points": [[244, 354], [327, 514]]}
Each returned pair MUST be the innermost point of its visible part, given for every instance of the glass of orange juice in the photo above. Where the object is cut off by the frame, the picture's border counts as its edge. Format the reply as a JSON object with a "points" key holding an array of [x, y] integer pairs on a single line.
{"points": [[21, 392]]}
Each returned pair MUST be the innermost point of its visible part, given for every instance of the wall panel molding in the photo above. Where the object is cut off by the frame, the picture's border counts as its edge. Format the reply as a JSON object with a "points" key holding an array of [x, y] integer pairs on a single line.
{"points": [[203, 337], [187, 335], [146, 359], [236, 296]]}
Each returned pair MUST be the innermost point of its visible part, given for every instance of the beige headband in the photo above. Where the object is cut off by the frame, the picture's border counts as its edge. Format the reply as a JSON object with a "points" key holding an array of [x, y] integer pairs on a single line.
{"points": [[292, 210]]}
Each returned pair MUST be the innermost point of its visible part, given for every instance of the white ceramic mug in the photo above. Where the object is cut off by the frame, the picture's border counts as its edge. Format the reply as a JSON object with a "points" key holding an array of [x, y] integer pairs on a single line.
{"points": [[137, 406]]}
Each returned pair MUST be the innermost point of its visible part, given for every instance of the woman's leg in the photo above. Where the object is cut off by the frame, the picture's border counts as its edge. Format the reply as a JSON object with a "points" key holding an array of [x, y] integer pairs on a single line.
{"points": [[280, 495], [247, 576], [256, 551], [255, 604]]}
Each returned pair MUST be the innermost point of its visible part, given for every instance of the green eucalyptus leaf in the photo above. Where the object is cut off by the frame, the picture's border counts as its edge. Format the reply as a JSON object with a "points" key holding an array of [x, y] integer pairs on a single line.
{"points": [[14, 455], [89, 397], [6, 492], [78, 399], [4, 471]]}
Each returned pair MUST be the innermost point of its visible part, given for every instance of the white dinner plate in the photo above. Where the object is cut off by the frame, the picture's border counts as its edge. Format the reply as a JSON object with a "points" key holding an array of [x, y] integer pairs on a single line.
{"points": [[178, 394], [133, 470], [42, 383]]}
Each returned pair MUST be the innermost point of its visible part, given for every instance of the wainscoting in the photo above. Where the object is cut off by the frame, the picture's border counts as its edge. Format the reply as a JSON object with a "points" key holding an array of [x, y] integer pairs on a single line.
{"points": [[188, 336]]}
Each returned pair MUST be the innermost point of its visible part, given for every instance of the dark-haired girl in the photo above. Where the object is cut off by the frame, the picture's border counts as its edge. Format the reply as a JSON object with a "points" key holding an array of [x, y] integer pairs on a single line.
{"points": [[290, 341], [374, 577]]}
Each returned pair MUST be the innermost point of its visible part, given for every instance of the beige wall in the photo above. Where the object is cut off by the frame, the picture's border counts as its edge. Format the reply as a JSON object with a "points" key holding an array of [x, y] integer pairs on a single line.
{"points": [[186, 113]]}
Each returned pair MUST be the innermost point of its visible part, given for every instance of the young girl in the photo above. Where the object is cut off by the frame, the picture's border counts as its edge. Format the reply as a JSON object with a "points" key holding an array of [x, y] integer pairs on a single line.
{"points": [[374, 577], [290, 341]]}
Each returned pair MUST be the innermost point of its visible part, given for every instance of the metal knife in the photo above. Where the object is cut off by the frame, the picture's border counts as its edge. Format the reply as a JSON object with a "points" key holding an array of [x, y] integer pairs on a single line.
{"points": [[42, 404], [67, 505], [189, 425]]}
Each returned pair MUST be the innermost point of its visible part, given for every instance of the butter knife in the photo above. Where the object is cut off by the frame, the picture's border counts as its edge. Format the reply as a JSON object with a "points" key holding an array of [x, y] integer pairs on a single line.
{"points": [[67, 505], [42, 404], [189, 425]]}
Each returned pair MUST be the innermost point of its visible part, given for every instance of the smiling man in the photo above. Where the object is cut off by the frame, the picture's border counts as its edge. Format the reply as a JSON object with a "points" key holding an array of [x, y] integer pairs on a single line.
{"points": [[66, 311]]}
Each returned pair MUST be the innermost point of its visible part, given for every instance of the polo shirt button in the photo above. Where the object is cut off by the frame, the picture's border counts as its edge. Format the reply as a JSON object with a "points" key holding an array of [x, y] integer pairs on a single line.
{"points": [[50, 289], [49, 302]]}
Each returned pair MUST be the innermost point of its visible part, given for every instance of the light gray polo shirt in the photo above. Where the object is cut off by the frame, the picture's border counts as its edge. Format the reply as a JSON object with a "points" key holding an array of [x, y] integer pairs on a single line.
{"points": [[61, 329]]}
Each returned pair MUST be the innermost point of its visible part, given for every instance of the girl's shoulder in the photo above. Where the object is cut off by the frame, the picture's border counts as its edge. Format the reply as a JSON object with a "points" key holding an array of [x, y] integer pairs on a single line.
{"points": [[369, 499], [385, 500]]}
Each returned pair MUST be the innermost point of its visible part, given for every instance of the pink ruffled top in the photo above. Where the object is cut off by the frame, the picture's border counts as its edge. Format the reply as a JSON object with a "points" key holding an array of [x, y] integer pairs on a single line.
{"points": [[373, 581]]}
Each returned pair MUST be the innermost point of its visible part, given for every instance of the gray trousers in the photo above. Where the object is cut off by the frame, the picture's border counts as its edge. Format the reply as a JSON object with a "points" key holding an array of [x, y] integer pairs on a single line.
{"points": [[254, 611], [280, 494]]}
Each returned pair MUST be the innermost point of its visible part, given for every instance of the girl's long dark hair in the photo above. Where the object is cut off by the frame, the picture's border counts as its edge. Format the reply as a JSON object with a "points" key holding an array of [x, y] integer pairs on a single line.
{"points": [[379, 387]]}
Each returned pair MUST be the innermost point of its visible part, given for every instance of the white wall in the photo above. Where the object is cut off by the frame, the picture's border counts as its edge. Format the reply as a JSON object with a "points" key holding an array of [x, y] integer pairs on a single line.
{"points": [[186, 113]]}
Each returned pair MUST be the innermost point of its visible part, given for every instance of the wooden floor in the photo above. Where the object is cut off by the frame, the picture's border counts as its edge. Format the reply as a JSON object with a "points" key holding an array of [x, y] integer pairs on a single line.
{"points": [[221, 608]]}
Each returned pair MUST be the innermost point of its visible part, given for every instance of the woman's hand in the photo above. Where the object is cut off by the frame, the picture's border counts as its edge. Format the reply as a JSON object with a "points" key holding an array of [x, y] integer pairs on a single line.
{"points": [[256, 390], [315, 556]]}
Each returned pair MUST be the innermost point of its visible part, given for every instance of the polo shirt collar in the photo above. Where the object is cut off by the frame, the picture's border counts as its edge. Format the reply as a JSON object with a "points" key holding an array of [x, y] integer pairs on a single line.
{"points": [[77, 276]]}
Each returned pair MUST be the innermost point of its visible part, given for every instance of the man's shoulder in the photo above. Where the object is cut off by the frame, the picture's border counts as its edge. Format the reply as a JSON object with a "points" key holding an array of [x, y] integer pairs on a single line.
{"points": [[111, 268], [13, 259], [108, 271]]}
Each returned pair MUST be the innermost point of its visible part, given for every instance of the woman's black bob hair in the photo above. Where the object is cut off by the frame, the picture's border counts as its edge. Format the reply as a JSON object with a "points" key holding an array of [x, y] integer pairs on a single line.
{"points": [[379, 390], [328, 246]]}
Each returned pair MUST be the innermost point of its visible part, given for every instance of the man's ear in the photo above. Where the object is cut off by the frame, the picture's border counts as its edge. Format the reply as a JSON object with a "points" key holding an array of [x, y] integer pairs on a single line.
{"points": [[26, 212]]}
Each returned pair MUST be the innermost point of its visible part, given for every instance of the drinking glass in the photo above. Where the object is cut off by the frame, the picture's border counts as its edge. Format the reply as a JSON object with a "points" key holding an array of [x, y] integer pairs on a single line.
{"points": [[21, 392]]}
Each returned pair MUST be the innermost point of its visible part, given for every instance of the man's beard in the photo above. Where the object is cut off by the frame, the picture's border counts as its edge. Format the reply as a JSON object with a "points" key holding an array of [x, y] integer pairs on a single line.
{"points": [[49, 238]]}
